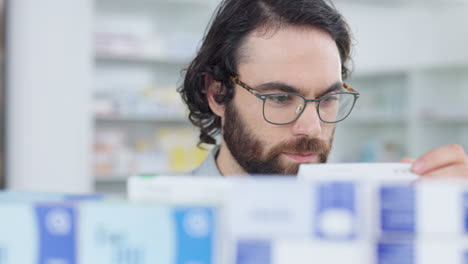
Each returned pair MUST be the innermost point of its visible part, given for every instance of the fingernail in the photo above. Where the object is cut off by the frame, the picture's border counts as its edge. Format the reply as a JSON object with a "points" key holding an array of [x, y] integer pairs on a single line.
{"points": [[418, 167]]}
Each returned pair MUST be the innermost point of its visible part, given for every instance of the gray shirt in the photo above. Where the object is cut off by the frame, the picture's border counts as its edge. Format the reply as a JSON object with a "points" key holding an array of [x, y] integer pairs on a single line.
{"points": [[208, 166]]}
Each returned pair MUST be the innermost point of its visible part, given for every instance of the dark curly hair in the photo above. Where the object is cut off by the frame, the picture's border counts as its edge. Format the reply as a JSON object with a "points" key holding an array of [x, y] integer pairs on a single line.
{"points": [[220, 51]]}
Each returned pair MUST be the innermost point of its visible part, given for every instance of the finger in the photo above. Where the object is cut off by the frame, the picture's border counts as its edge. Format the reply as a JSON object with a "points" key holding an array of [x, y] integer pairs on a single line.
{"points": [[439, 158], [407, 160], [456, 171]]}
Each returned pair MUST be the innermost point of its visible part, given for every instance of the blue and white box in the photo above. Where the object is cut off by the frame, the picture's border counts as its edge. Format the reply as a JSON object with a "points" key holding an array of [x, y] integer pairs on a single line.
{"points": [[301, 251], [434, 209], [98, 232], [305, 251], [283, 207], [42, 234], [144, 234], [187, 191], [19, 241], [420, 251]]}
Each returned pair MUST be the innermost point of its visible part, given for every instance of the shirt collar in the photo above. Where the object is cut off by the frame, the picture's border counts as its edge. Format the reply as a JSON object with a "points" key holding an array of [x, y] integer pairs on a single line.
{"points": [[208, 167]]}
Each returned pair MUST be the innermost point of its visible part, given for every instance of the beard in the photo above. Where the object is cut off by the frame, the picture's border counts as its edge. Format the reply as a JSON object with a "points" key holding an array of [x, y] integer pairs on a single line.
{"points": [[250, 153]]}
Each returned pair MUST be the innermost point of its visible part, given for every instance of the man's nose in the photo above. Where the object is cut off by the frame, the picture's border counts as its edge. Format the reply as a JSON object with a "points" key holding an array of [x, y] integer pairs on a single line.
{"points": [[308, 124]]}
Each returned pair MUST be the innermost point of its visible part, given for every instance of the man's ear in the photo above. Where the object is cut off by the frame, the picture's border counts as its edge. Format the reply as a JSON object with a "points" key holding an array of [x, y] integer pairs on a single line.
{"points": [[213, 88]]}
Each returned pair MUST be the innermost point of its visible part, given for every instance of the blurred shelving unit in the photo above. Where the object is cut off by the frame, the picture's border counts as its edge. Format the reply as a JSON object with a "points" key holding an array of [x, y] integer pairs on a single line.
{"points": [[413, 80], [412, 73], [404, 114], [141, 125]]}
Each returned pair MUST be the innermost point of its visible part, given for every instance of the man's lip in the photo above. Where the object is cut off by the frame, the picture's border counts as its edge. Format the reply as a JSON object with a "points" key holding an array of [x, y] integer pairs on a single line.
{"points": [[302, 157]]}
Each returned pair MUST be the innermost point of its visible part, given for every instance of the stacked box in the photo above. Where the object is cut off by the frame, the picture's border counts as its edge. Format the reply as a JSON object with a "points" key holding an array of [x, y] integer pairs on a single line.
{"points": [[341, 221], [178, 189], [186, 190], [114, 233], [358, 172], [270, 210], [305, 251], [434, 209]]}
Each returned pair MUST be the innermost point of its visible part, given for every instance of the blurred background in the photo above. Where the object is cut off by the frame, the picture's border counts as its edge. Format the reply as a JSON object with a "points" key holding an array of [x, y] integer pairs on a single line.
{"points": [[88, 88]]}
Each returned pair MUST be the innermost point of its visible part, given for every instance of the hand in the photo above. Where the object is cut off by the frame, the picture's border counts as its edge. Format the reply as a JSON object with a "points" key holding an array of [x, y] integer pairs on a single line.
{"points": [[446, 161]]}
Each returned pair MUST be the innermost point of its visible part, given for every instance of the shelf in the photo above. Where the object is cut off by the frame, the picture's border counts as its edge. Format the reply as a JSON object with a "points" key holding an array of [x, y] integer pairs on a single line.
{"points": [[149, 3], [375, 120], [127, 59], [461, 120], [111, 179], [128, 119]]}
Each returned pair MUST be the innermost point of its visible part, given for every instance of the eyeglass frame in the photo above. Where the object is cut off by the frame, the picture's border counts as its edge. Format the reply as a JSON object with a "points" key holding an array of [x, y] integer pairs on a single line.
{"points": [[263, 97]]}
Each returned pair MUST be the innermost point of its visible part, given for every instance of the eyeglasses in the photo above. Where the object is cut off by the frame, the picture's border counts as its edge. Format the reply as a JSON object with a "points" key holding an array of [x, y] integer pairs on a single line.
{"points": [[286, 108]]}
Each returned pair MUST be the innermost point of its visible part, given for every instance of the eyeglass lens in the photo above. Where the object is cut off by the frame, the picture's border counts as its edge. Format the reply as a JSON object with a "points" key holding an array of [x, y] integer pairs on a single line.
{"points": [[285, 108]]}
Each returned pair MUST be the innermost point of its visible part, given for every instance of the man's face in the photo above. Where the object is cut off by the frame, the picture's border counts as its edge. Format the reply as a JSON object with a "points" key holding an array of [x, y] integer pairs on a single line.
{"points": [[308, 62]]}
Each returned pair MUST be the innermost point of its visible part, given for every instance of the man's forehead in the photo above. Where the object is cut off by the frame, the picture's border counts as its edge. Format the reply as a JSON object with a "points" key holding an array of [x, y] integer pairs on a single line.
{"points": [[291, 40], [305, 59]]}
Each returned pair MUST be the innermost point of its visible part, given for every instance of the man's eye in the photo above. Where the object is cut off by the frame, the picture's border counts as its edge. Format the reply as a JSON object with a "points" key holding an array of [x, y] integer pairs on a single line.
{"points": [[280, 99], [330, 98]]}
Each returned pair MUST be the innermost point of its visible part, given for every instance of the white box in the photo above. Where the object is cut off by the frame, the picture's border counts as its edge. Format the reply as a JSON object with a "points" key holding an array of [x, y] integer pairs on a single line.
{"points": [[185, 190], [358, 172], [430, 209], [269, 208], [146, 234], [303, 251], [106, 233], [178, 190]]}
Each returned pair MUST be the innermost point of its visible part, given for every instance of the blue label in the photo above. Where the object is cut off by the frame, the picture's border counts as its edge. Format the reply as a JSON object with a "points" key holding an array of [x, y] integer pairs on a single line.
{"points": [[253, 252], [195, 235], [395, 253], [465, 210], [336, 203], [397, 209], [465, 258], [57, 233]]}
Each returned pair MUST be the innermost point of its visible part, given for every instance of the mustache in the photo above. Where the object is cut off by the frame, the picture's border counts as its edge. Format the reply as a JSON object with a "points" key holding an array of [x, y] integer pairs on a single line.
{"points": [[302, 145]]}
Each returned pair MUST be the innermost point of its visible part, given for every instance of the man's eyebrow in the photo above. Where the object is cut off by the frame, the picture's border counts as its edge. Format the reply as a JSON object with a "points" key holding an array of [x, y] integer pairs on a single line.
{"points": [[333, 88], [277, 86], [286, 88]]}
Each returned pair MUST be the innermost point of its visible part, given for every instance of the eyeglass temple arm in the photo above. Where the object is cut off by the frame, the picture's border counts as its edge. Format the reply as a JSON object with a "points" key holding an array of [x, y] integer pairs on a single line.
{"points": [[236, 80], [347, 87]]}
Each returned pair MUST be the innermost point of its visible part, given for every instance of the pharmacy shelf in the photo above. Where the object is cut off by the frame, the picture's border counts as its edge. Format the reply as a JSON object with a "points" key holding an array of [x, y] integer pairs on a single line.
{"points": [[371, 120], [454, 120], [388, 119], [141, 119], [144, 44], [111, 179], [154, 3], [142, 60]]}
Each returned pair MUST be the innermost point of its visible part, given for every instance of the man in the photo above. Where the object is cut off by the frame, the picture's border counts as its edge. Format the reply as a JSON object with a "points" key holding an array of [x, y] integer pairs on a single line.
{"points": [[269, 76]]}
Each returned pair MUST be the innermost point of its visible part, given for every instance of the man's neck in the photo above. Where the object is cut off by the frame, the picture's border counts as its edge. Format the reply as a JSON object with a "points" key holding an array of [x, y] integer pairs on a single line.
{"points": [[226, 163]]}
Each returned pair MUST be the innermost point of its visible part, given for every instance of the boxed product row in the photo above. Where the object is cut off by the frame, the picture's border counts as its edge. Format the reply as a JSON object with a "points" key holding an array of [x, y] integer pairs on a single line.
{"points": [[323, 206], [135, 233], [140, 36], [119, 153], [106, 232], [149, 102], [352, 213], [303, 251]]}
